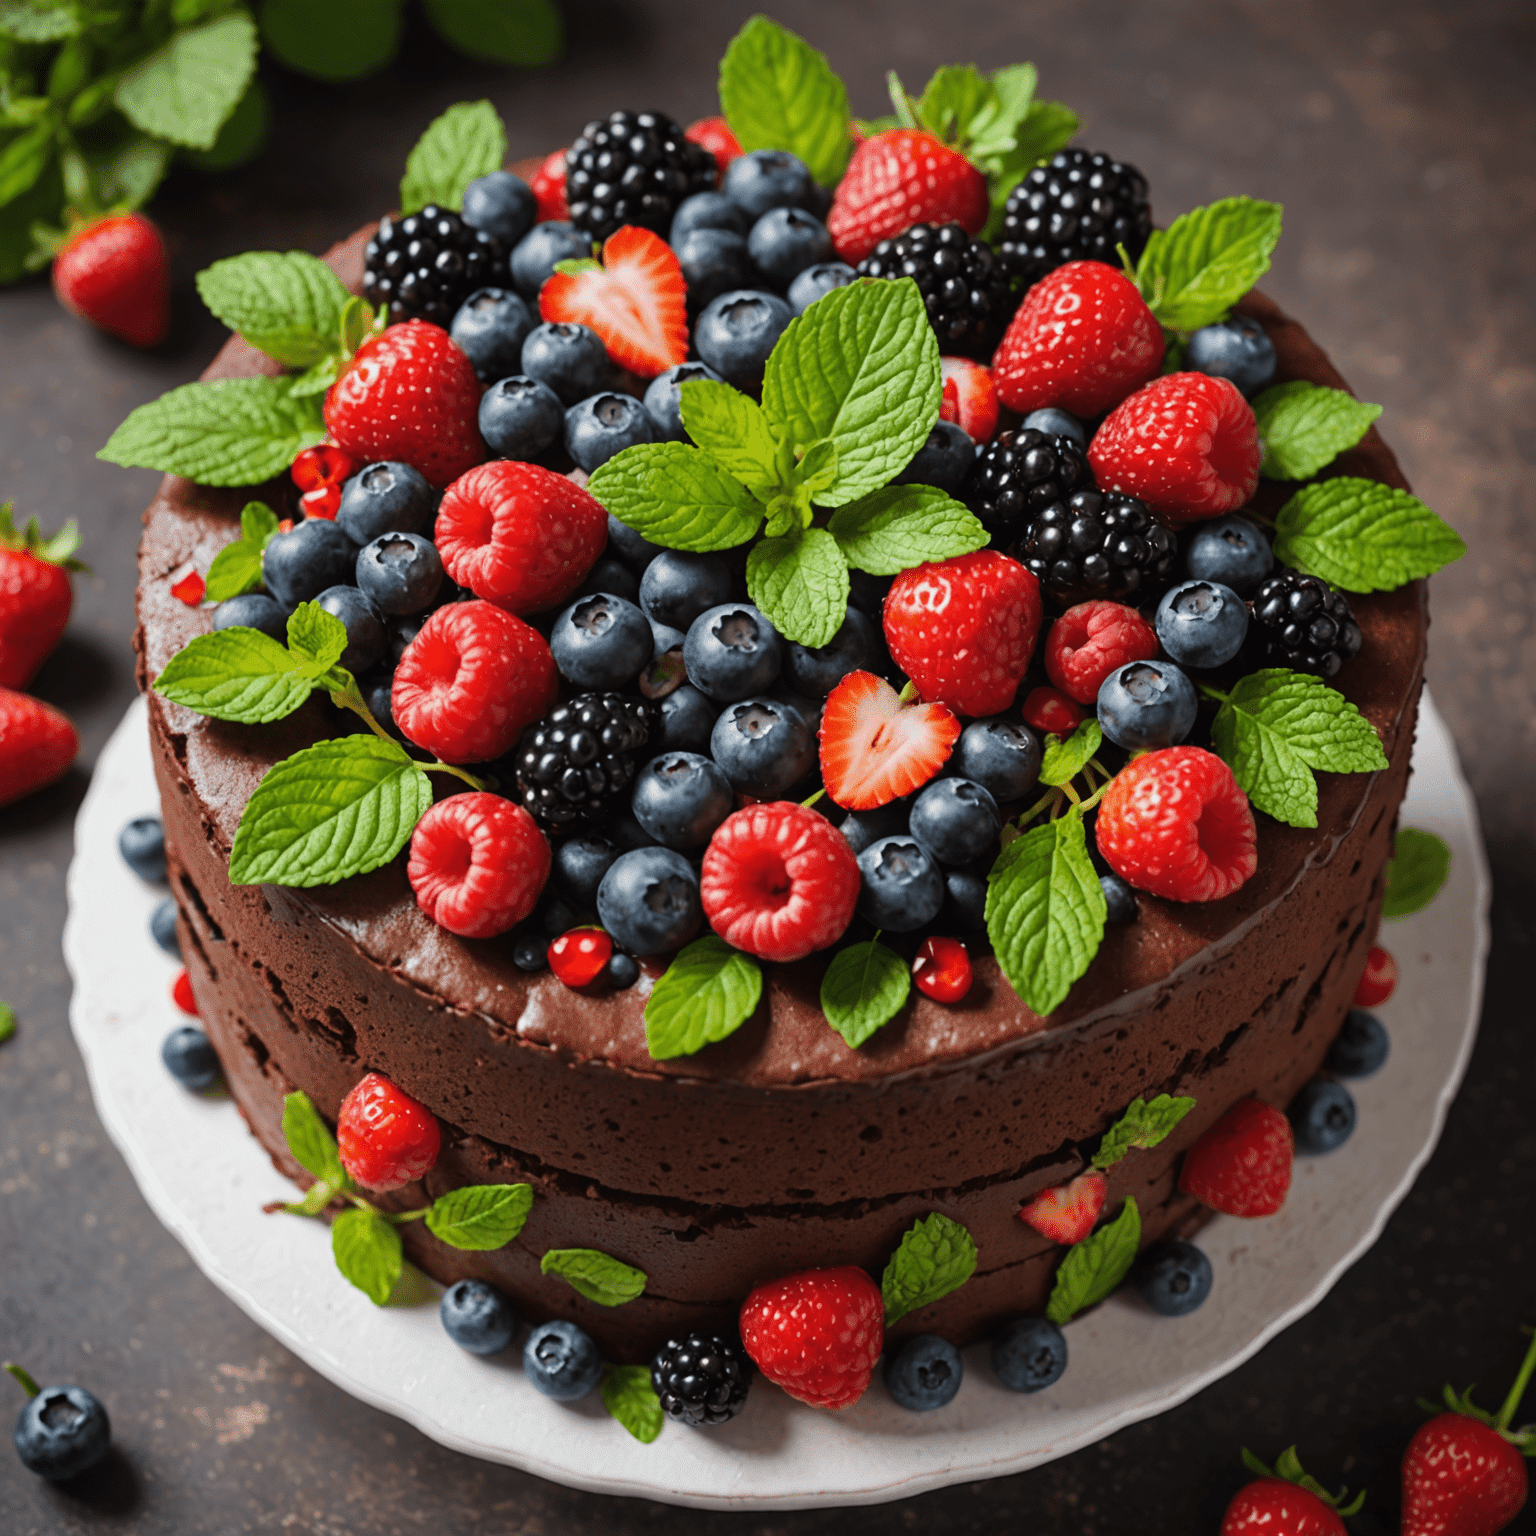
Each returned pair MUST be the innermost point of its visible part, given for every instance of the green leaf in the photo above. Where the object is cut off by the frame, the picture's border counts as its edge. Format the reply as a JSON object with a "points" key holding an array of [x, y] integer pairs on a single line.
{"points": [[777, 92], [229, 432], [1362, 535], [708, 992], [316, 380], [22, 160], [286, 305], [731, 428], [39, 21], [1305, 426], [367, 1251], [316, 638], [316, 1198], [39, 208], [1142, 1125], [936, 1256], [1419, 866], [629, 1396], [817, 469], [1047, 127], [187, 87], [955, 96], [1194, 271], [594, 1275], [801, 584], [523, 32], [479, 1217], [864, 987], [1095, 1266], [310, 1140], [258, 523], [1064, 760], [129, 175], [243, 136], [235, 569], [899, 526], [860, 366], [7, 1022], [337, 40], [333, 810], [464, 144], [677, 496], [236, 674], [1045, 911]]}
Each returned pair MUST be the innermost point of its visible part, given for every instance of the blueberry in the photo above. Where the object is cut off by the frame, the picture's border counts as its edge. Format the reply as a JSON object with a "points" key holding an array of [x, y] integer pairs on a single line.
{"points": [[562, 1361], [680, 798], [634, 549], [384, 498], [861, 829], [402, 632], [902, 887], [621, 972], [610, 576], [556, 917], [189, 1058], [489, 329], [1230, 550], [62, 1432], [965, 899], [1147, 704], [142, 845], [687, 720], [785, 241], [578, 868], [664, 402], [677, 587], [399, 573], [767, 178], [764, 746], [817, 282], [1174, 1277], [627, 834], [367, 639], [816, 670], [714, 261], [478, 1316], [708, 210], [300, 565], [943, 461], [924, 1373], [663, 637], [529, 952], [162, 927], [534, 256], [605, 424], [1003, 756], [737, 331], [649, 901], [571, 359], [1361, 1046], [1322, 1115], [520, 417], [502, 205], [732, 652], [1236, 348], [957, 821], [1029, 1354], [867, 593], [378, 690], [601, 641], [1202, 623], [252, 610], [1120, 901], [1058, 424]]}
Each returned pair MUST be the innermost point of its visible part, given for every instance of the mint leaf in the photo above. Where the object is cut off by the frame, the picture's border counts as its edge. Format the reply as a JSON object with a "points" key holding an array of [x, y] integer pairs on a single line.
{"points": [[936, 1256], [1194, 271], [316, 380], [332, 42], [955, 96], [310, 1140], [316, 638], [1142, 1125], [1095, 1266], [1419, 866], [708, 992], [731, 428], [235, 569], [236, 674], [817, 468], [479, 1217], [801, 583], [258, 523], [777, 92], [286, 305], [367, 1251], [860, 366], [1362, 535], [464, 144], [229, 432], [1305, 426], [629, 1396], [39, 21], [187, 87], [865, 986], [333, 810], [893, 529], [521, 32], [316, 1198], [1064, 760], [22, 160], [677, 496], [594, 1275], [1045, 911]]}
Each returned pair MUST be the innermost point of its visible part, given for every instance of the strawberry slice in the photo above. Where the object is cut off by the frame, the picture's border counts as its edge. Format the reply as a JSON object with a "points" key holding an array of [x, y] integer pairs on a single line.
{"points": [[1066, 1214], [874, 748], [636, 300], [970, 398]]}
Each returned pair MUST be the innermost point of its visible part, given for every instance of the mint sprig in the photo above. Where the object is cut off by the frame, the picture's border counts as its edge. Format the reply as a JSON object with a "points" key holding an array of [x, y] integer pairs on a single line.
{"points": [[288, 305], [465, 143], [310, 1141], [707, 993], [1194, 271], [1143, 1125], [677, 496], [594, 1274], [1062, 761], [731, 428], [237, 567], [865, 986], [936, 1256], [1304, 427], [480, 1217], [893, 529], [1419, 866], [629, 1396], [801, 583], [368, 1252], [1094, 1267], [237, 674]]}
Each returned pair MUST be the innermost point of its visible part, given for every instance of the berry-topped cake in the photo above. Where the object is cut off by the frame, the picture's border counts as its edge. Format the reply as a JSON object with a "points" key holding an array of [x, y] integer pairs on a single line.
{"points": [[778, 739]]}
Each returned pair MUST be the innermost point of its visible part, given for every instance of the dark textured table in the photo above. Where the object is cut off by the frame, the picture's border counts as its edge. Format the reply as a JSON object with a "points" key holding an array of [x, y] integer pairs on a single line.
{"points": [[1399, 138]]}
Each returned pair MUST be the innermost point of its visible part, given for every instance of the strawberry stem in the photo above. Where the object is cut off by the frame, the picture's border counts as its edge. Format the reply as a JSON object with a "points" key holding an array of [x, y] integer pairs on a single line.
{"points": [[1516, 1392]]}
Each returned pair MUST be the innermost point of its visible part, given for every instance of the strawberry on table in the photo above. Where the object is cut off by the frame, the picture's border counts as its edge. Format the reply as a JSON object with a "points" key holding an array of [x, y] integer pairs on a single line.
{"points": [[874, 748], [1242, 1165], [35, 595], [1066, 1213], [1286, 1502], [115, 273], [817, 1334], [37, 745]]}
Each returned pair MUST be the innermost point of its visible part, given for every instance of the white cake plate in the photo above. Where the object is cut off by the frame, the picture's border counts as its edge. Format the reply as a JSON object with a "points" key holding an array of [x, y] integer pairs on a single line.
{"points": [[1126, 1363]]}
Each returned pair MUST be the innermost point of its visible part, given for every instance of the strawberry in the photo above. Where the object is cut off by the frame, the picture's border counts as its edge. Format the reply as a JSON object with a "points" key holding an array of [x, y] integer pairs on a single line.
{"points": [[409, 395], [964, 629], [115, 273], [1082, 340], [636, 300], [548, 184], [714, 133], [37, 745], [1067, 1212], [817, 1334], [900, 178], [35, 595], [874, 748], [1242, 1165], [1286, 1502], [970, 398]]}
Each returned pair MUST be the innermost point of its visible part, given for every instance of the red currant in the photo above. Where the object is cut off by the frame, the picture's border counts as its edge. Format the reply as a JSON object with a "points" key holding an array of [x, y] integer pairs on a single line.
{"points": [[323, 465], [386, 1138], [578, 958], [1048, 709], [1379, 981], [189, 589], [324, 501], [181, 994], [942, 970]]}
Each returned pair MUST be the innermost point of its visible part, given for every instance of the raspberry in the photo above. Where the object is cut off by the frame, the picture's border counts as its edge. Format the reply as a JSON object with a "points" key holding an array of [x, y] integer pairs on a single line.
{"points": [[1187, 445], [817, 1333], [1379, 979], [942, 970], [778, 881], [181, 994], [1020, 475], [1175, 823], [633, 168], [1305, 625], [580, 956], [477, 864], [519, 536], [386, 1139], [1093, 545], [471, 681], [1242, 1165], [701, 1379], [1090, 641], [1047, 709]]}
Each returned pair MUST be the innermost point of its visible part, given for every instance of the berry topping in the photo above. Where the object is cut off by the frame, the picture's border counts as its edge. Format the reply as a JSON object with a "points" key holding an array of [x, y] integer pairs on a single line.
{"points": [[1067, 1213], [490, 328], [732, 652], [142, 845], [579, 758], [477, 864], [767, 178], [323, 465], [714, 134], [324, 501], [1242, 1165], [386, 1138], [1202, 624], [602, 641], [569, 359], [1230, 550], [1048, 710], [970, 398], [181, 993], [501, 204], [663, 399], [736, 333], [1379, 979], [703, 1378], [1305, 625], [579, 957], [956, 821], [903, 888], [633, 168], [1093, 545], [967, 296], [300, 563], [779, 881], [1147, 704], [782, 244], [1029, 1354], [1000, 755], [1322, 1115], [428, 263], [817, 282], [1175, 823], [400, 573], [605, 424], [1174, 1277], [548, 187], [1361, 1048], [680, 798], [942, 970], [115, 273], [817, 1334], [478, 1316], [385, 498], [924, 1374], [1237, 348], [1021, 475], [189, 1057], [874, 748], [1090, 641], [561, 1360], [649, 901], [764, 746], [189, 588], [367, 639]]}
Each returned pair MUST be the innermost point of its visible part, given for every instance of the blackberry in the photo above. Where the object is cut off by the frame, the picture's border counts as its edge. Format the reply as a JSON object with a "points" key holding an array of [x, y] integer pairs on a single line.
{"points": [[428, 263], [583, 753], [1097, 544], [701, 1379], [967, 295], [1079, 207], [1020, 473], [1304, 624], [633, 168]]}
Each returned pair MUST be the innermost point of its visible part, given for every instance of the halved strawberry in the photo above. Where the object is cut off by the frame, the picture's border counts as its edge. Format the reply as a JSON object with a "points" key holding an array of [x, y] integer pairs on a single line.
{"points": [[1066, 1214], [874, 748], [636, 300], [970, 398]]}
